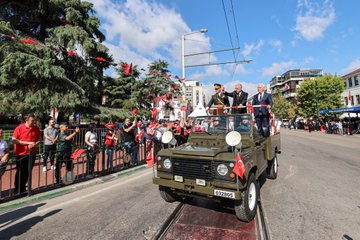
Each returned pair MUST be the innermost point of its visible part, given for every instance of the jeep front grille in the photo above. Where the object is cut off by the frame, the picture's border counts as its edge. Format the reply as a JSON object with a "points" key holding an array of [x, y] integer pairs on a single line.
{"points": [[192, 168]]}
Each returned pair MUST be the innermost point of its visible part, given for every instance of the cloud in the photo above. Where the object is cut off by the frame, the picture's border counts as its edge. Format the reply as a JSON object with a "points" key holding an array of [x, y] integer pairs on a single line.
{"points": [[308, 60], [277, 44], [252, 47], [146, 31], [355, 64], [277, 68], [313, 19]]}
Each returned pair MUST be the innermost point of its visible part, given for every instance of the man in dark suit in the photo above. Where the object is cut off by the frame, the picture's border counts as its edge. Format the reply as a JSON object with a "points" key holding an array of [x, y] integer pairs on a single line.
{"points": [[262, 113], [218, 99], [239, 99]]}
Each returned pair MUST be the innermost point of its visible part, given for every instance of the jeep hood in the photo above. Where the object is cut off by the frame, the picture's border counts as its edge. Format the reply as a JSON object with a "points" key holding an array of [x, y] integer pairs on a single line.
{"points": [[196, 150]]}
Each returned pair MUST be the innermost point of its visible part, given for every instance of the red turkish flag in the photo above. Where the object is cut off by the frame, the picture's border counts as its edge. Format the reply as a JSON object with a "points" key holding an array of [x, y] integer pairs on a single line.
{"points": [[77, 153], [150, 158], [29, 41], [70, 53], [350, 96], [239, 168], [100, 59], [128, 69]]}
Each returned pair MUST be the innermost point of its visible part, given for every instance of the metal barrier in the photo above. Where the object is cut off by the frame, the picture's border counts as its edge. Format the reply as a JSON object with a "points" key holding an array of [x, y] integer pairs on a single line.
{"points": [[39, 181]]}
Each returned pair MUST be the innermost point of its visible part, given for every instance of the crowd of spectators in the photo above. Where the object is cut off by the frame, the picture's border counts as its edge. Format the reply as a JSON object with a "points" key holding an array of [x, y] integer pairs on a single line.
{"points": [[346, 126], [58, 144]]}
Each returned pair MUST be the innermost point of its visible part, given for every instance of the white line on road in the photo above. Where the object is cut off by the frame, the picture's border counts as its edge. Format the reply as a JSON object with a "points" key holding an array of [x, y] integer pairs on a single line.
{"points": [[63, 204]]}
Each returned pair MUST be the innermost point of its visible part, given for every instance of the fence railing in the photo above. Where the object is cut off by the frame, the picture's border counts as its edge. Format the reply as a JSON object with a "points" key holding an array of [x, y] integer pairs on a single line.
{"points": [[38, 180]]}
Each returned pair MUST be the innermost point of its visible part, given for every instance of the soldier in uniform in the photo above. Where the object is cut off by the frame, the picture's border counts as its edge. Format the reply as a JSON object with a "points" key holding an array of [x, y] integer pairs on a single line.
{"points": [[218, 99]]}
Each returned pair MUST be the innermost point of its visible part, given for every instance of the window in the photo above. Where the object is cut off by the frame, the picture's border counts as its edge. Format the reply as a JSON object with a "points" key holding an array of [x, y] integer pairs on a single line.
{"points": [[357, 99], [346, 101], [356, 80], [350, 82]]}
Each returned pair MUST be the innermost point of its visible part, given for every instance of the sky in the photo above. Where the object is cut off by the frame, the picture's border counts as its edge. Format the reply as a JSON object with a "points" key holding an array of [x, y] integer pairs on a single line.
{"points": [[275, 35]]}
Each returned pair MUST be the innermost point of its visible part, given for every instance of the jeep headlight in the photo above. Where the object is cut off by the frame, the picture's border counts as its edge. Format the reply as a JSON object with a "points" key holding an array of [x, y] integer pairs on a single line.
{"points": [[167, 163], [222, 169]]}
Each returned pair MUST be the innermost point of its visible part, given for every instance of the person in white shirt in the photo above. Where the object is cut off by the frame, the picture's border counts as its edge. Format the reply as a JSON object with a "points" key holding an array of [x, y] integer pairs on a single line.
{"points": [[91, 141]]}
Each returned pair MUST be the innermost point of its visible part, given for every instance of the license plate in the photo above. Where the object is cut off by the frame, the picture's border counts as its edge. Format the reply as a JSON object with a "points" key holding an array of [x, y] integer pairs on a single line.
{"points": [[224, 194], [178, 178]]}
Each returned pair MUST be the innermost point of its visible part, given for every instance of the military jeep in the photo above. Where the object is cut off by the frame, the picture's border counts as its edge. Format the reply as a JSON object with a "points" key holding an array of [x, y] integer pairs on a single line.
{"points": [[203, 167]]}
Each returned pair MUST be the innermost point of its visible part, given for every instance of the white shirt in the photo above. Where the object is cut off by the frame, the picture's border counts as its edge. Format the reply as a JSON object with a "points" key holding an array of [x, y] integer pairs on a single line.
{"points": [[91, 137], [3, 147], [260, 96]]}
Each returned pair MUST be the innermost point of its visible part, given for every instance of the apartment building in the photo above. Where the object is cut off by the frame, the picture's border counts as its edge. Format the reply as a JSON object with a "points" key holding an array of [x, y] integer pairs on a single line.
{"points": [[288, 82], [351, 95]]}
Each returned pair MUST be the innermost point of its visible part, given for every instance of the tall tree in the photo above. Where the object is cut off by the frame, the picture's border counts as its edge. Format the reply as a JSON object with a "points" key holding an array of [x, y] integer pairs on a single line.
{"points": [[155, 85], [36, 77], [282, 108], [322, 93], [119, 91]]}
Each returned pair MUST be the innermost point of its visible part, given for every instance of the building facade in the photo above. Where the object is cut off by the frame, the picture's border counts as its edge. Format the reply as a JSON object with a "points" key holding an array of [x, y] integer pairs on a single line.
{"points": [[351, 95], [288, 82]]}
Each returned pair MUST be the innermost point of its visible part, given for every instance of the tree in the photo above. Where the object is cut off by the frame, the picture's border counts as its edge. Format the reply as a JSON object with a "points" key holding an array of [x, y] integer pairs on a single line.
{"points": [[282, 108], [36, 77], [322, 93], [157, 84], [119, 91]]}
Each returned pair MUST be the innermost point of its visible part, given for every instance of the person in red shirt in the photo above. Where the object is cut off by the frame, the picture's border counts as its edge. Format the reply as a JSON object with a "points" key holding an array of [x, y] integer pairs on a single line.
{"points": [[26, 138], [110, 142]]}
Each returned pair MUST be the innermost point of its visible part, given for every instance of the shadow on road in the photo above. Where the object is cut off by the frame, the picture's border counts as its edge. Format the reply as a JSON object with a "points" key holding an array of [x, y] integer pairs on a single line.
{"points": [[24, 226], [9, 217]]}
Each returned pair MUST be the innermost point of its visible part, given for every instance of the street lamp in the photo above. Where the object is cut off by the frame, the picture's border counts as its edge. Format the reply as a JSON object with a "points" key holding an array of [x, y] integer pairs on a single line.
{"points": [[203, 30]]}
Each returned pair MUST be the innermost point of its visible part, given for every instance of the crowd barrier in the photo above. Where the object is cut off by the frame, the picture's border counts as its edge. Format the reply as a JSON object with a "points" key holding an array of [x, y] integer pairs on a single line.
{"points": [[39, 181]]}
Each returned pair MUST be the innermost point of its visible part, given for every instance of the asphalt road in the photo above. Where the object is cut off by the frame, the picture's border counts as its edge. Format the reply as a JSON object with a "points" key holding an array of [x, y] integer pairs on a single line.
{"points": [[317, 193], [126, 208], [316, 196]]}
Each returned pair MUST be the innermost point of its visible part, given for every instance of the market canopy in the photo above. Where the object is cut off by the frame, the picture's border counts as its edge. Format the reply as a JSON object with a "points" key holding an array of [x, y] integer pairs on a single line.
{"points": [[341, 110], [199, 111]]}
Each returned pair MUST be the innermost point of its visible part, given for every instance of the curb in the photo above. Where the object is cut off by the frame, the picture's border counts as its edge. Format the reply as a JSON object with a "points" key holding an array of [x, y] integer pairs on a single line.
{"points": [[68, 189]]}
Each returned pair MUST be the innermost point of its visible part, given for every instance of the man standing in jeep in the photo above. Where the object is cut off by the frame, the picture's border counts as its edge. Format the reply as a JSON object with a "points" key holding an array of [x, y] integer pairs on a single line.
{"points": [[218, 99], [261, 113]]}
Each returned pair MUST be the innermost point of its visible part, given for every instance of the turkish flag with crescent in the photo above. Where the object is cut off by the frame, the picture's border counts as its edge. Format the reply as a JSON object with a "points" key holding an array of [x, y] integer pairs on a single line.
{"points": [[239, 168]]}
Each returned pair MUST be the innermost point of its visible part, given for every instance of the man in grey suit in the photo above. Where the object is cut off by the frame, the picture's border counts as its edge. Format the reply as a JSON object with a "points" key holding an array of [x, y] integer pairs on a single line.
{"points": [[239, 99], [262, 113]]}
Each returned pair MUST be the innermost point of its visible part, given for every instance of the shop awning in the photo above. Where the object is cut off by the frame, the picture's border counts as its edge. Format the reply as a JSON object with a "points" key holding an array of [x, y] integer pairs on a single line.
{"points": [[341, 110]]}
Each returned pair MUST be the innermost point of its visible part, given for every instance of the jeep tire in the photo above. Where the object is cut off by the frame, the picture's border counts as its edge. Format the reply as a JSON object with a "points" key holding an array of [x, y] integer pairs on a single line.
{"points": [[272, 168], [245, 209], [167, 194]]}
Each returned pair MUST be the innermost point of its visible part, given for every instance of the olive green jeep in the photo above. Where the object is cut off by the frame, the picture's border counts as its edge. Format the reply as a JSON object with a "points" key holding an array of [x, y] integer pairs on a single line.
{"points": [[203, 167]]}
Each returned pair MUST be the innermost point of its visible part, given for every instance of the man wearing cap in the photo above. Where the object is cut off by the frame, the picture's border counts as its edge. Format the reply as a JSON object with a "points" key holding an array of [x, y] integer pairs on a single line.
{"points": [[244, 125], [261, 113], [218, 99]]}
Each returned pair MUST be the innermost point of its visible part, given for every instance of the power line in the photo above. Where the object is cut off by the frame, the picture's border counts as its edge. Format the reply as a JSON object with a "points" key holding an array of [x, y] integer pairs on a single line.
{"points": [[228, 27], [236, 29]]}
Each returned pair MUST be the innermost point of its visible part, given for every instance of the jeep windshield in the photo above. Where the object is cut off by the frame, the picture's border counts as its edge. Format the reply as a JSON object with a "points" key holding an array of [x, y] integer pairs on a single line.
{"points": [[221, 124]]}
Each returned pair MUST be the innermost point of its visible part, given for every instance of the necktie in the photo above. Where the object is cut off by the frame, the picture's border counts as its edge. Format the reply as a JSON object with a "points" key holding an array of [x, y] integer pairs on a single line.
{"points": [[260, 97]]}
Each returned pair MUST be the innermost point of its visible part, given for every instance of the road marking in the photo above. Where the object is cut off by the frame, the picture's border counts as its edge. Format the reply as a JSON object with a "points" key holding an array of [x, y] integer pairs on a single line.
{"points": [[71, 201]]}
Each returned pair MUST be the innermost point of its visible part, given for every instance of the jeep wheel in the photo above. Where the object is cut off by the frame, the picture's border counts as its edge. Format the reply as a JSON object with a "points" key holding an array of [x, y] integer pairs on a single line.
{"points": [[272, 168], [245, 208], [167, 195]]}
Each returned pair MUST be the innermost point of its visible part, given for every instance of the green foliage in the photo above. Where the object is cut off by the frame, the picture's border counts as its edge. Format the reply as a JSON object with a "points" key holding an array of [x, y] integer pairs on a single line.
{"points": [[38, 77], [322, 93], [282, 108], [156, 83]]}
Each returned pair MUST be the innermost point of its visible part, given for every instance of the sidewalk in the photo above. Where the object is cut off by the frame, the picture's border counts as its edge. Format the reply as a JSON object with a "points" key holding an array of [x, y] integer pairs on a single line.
{"points": [[64, 190], [41, 181]]}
